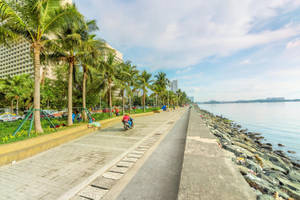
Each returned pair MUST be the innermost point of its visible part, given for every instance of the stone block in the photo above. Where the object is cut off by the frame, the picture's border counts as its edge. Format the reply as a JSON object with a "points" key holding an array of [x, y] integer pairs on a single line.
{"points": [[120, 170], [133, 160], [112, 175], [104, 183], [131, 155], [124, 164], [92, 193]]}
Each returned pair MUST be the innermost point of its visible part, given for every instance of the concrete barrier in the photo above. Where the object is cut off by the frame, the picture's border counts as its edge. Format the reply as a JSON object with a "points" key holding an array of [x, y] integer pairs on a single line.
{"points": [[23, 149]]}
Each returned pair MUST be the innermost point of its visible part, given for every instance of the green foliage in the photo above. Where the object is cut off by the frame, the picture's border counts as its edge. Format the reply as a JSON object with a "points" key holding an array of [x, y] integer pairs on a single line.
{"points": [[98, 75]]}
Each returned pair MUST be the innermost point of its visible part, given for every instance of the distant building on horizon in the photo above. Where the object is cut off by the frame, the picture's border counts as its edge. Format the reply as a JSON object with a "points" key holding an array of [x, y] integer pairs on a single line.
{"points": [[174, 85], [191, 98], [275, 98]]}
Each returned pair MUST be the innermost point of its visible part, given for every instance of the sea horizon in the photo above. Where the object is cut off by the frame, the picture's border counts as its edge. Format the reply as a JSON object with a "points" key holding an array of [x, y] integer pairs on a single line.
{"points": [[277, 122]]}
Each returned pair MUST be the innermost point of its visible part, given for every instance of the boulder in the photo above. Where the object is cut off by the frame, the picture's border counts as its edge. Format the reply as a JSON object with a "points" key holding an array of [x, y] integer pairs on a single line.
{"points": [[253, 166], [259, 184], [291, 152], [265, 197]]}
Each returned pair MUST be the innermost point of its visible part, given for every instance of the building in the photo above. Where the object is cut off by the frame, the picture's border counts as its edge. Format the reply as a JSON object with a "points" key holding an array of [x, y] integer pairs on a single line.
{"points": [[275, 99], [119, 55], [174, 85], [16, 59]]}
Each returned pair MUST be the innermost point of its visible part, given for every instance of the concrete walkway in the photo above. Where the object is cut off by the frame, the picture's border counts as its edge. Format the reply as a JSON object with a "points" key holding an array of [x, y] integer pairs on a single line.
{"points": [[208, 172], [61, 172], [159, 176]]}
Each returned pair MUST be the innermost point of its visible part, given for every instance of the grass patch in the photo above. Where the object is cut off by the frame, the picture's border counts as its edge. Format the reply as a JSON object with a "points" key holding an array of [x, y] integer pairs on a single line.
{"points": [[7, 128]]}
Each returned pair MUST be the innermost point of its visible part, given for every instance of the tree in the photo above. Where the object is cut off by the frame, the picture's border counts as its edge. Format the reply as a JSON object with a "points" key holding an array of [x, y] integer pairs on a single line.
{"points": [[123, 78], [91, 50], [132, 82], [17, 88], [33, 20], [109, 66], [144, 83], [67, 47], [161, 84]]}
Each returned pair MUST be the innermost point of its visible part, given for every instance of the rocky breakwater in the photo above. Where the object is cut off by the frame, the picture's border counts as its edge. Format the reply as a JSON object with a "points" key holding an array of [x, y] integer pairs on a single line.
{"points": [[270, 172]]}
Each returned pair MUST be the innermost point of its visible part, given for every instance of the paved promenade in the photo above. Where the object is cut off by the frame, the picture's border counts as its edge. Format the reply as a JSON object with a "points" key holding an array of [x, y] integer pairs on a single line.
{"points": [[159, 176], [63, 171]]}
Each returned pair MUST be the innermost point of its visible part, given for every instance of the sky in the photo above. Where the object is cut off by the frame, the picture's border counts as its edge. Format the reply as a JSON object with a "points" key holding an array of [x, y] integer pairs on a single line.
{"points": [[216, 49]]}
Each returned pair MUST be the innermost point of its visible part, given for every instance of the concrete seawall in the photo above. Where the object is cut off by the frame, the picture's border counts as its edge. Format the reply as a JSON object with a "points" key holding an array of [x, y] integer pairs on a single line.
{"points": [[208, 172]]}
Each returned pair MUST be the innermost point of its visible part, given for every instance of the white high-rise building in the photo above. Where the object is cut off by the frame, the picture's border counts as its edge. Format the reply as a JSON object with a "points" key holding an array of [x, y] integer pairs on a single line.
{"points": [[174, 85], [16, 59]]}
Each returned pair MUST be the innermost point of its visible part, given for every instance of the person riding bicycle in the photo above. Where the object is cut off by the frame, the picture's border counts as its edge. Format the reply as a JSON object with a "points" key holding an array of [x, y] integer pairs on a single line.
{"points": [[128, 119]]}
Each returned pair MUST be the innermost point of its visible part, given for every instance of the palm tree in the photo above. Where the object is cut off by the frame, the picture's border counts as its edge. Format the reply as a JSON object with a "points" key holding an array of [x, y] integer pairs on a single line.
{"points": [[156, 89], [144, 82], [132, 82], [16, 88], [67, 48], [33, 20], [162, 83], [109, 66], [91, 50], [124, 78]]}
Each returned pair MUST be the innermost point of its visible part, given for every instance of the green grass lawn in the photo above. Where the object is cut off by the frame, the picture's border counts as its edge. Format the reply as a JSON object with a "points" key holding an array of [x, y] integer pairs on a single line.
{"points": [[8, 128]]}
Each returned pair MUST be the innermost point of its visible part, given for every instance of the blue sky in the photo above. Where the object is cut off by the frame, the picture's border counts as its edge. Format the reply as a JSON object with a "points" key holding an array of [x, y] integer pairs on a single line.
{"points": [[221, 50]]}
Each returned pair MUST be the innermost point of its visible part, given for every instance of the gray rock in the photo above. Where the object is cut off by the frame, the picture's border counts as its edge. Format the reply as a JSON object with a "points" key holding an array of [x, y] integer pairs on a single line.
{"points": [[266, 147], [265, 197], [276, 160], [253, 166], [292, 193], [260, 184], [294, 175], [291, 152]]}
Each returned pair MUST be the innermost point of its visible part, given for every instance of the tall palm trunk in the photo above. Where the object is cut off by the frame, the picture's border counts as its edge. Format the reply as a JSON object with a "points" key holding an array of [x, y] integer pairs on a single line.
{"points": [[156, 101], [84, 93], [70, 84], [110, 99], [12, 106], [37, 94], [17, 105], [129, 103], [123, 101], [144, 100]]}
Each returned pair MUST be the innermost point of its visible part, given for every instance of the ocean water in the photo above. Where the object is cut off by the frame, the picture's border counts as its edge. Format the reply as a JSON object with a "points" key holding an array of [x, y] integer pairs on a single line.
{"points": [[277, 122]]}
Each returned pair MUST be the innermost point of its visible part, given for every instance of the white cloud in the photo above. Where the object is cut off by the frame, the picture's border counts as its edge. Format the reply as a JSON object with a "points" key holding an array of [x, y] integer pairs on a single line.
{"points": [[245, 62], [183, 71], [292, 44], [182, 33]]}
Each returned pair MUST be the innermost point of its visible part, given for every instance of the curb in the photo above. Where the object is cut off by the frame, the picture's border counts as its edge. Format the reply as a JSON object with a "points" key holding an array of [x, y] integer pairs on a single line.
{"points": [[17, 151]]}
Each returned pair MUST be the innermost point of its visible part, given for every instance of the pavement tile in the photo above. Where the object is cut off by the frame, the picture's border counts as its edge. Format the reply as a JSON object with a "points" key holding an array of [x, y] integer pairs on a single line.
{"points": [[102, 182], [112, 175], [138, 152], [124, 164], [132, 155], [120, 170], [77, 197], [92, 193], [133, 160]]}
